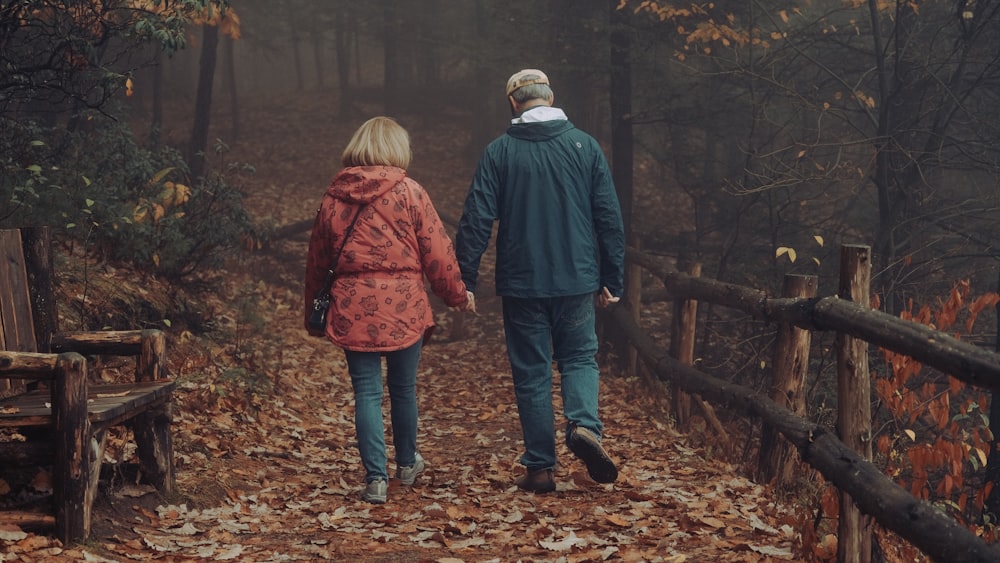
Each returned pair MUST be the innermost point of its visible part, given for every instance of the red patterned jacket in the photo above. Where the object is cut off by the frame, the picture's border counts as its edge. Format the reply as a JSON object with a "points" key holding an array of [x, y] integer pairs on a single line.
{"points": [[379, 301]]}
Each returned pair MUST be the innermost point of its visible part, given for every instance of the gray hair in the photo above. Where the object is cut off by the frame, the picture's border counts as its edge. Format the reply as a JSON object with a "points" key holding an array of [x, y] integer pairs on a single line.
{"points": [[532, 92]]}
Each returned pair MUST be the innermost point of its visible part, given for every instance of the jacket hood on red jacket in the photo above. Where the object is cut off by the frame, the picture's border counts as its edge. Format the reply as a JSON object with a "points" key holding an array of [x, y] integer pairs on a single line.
{"points": [[362, 184]]}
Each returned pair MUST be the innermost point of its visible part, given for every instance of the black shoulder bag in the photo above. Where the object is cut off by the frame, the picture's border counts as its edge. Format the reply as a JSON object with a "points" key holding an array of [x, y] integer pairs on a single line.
{"points": [[321, 302]]}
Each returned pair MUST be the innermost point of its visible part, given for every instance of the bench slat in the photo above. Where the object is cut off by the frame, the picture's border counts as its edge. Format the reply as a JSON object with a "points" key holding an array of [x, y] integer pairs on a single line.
{"points": [[105, 403], [16, 334]]}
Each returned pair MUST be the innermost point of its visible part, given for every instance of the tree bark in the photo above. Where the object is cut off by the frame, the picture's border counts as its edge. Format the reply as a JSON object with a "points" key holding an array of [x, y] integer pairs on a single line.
{"points": [[391, 82], [234, 99], [991, 507], [621, 110], [156, 125], [203, 101], [343, 59]]}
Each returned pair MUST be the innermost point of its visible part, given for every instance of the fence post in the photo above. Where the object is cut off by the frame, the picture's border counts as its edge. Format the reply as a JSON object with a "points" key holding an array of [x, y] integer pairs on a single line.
{"points": [[854, 543], [791, 363], [682, 344]]}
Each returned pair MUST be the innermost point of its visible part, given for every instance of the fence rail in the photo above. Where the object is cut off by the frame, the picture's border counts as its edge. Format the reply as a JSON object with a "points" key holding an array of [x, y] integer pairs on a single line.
{"points": [[919, 522]]}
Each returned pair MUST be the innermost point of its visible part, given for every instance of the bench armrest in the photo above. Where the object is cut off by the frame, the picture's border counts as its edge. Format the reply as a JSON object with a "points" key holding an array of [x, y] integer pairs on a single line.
{"points": [[27, 365], [149, 346]]}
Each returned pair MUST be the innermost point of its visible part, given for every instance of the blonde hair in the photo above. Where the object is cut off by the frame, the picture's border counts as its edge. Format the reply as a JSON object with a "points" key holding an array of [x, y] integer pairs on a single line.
{"points": [[379, 141]]}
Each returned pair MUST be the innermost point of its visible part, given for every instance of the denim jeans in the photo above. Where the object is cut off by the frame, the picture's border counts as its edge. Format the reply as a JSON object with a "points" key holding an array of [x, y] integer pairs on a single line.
{"points": [[401, 378], [537, 331]]}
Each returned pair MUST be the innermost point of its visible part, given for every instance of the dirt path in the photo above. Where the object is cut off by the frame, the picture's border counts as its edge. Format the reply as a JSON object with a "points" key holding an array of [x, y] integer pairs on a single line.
{"points": [[267, 465]]}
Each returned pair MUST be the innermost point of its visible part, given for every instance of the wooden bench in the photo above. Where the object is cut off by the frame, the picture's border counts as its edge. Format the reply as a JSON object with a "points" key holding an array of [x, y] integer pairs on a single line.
{"points": [[60, 418]]}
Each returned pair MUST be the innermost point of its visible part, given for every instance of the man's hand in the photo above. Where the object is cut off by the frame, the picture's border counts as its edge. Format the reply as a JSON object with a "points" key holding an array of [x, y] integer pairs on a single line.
{"points": [[604, 298]]}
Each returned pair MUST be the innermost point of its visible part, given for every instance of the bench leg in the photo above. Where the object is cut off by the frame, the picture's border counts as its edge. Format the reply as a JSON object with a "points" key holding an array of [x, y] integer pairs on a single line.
{"points": [[155, 447], [71, 429], [98, 444]]}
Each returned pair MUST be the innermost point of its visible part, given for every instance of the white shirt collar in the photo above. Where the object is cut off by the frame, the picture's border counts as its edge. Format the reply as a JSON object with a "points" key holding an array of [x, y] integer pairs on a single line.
{"points": [[540, 113]]}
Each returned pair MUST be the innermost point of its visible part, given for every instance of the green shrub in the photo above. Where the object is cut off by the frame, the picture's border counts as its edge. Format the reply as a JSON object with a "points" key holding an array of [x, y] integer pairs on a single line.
{"points": [[123, 201]]}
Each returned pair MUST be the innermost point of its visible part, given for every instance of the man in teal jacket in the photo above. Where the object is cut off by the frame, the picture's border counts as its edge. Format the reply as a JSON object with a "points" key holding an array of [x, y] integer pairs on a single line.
{"points": [[560, 242]]}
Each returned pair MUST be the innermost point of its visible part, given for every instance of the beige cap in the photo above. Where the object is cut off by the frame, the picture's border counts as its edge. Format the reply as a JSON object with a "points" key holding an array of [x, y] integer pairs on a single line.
{"points": [[526, 77]]}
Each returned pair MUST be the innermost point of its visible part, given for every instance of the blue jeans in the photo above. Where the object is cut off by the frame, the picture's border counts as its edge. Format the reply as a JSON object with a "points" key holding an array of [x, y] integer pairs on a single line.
{"points": [[401, 378], [538, 331]]}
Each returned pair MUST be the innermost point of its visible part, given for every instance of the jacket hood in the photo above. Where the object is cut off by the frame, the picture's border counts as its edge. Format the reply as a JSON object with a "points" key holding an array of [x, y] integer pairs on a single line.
{"points": [[362, 184], [539, 131]]}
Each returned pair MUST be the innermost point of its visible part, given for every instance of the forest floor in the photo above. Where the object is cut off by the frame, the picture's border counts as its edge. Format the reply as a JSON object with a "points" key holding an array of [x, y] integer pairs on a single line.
{"points": [[266, 459]]}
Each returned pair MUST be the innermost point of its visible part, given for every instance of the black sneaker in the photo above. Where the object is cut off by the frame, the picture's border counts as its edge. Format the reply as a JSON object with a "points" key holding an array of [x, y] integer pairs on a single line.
{"points": [[585, 445]]}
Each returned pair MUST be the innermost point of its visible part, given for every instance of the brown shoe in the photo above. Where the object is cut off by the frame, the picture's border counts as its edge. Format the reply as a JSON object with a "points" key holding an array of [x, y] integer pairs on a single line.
{"points": [[537, 481], [585, 445]]}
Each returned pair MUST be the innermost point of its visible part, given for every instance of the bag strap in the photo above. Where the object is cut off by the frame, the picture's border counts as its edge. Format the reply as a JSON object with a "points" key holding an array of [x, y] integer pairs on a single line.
{"points": [[336, 258]]}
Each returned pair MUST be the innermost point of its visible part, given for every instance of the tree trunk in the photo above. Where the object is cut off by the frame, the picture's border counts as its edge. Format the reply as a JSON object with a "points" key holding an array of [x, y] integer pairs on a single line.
{"points": [[317, 41], [343, 59], [621, 110], [296, 54], [156, 126], [482, 129], [234, 98], [203, 101], [391, 59], [991, 507]]}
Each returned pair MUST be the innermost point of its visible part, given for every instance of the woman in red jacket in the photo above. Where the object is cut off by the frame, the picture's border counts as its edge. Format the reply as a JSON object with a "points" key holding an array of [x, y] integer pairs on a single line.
{"points": [[388, 236]]}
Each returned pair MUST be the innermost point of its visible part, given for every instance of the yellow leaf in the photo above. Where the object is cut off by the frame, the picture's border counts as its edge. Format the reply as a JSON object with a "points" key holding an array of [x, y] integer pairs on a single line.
{"points": [[128, 87], [982, 456], [158, 212], [782, 250], [182, 193], [911, 434], [816, 260], [819, 239], [140, 213], [160, 175], [784, 16]]}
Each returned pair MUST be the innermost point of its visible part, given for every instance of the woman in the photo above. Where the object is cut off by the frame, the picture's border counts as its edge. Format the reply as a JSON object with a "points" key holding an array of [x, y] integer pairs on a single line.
{"points": [[388, 236]]}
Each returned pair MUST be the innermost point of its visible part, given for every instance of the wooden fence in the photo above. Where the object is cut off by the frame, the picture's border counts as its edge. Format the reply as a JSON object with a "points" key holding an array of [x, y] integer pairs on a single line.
{"points": [[845, 462]]}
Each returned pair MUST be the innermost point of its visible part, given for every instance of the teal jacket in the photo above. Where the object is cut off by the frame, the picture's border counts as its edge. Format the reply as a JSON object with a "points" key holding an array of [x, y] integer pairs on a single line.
{"points": [[560, 229]]}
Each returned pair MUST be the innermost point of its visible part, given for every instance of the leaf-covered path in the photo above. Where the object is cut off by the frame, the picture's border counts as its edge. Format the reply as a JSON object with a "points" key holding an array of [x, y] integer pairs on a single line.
{"points": [[292, 477], [267, 468]]}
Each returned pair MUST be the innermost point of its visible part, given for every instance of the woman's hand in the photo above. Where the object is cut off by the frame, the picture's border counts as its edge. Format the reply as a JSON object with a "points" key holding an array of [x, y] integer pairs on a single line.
{"points": [[470, 303]]}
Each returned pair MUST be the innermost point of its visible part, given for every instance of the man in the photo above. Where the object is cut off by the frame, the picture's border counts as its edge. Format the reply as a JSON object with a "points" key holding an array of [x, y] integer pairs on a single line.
{"points": [[560, 241]]}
